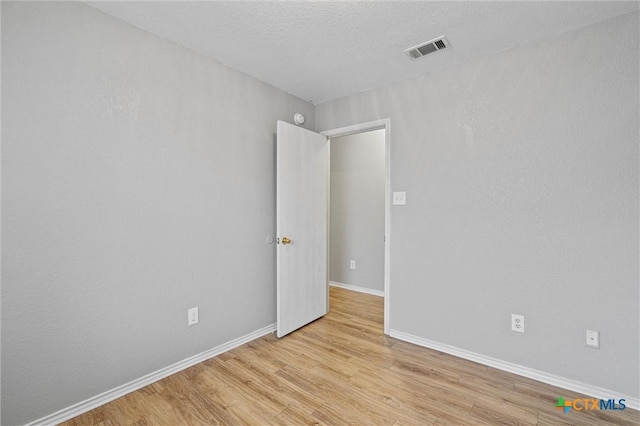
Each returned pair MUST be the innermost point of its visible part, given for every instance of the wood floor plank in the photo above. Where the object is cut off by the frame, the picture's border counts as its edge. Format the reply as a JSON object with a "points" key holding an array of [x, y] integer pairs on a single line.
{"points": [[285, 392], [546, 419], [401, 398], [249, 391], [500, 411], [342, 369]]}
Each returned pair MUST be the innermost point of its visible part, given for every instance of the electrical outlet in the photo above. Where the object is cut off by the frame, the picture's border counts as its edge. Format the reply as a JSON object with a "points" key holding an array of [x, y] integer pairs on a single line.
{"points": [[352, 264], [593, 339], [399, 198], [517, 323], [192, 316]]}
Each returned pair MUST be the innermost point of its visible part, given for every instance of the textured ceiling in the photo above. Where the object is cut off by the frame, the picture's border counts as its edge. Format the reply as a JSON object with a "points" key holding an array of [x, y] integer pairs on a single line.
{"points": [[322, 50]]}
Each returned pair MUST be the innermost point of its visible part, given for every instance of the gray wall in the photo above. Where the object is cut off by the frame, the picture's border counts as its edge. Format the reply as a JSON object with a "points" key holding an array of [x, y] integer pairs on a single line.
{"points": [[521, 172], [137, 182], [357, 209], [137, 179]]}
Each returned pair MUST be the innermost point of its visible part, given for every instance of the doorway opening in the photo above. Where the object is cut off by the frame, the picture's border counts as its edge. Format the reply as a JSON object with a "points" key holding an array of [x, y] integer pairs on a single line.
{"points": [[359, 220]]}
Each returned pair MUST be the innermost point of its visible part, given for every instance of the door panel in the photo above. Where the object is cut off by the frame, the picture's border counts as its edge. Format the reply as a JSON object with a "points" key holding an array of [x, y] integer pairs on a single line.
{"points": [[302, 217]]}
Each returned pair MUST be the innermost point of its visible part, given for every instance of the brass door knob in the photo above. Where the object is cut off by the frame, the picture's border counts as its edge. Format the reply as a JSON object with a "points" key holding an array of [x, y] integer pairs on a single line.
{"points": [[286, 240]]}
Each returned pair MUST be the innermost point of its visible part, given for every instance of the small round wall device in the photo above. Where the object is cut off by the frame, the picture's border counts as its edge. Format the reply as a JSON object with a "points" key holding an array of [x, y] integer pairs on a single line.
{"points": [[298, 118]]}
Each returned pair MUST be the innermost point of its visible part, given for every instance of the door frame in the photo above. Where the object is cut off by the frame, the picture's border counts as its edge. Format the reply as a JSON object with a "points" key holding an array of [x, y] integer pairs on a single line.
{"points": [[384, 123]]}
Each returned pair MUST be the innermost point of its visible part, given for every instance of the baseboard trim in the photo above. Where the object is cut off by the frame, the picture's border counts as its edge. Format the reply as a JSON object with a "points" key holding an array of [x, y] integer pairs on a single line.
{"points": [[541, 376], [108, 396], [357, 288]]}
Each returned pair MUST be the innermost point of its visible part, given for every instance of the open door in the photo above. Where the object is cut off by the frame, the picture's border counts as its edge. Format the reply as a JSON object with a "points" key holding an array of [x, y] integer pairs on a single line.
{"points": [[302, 224]]}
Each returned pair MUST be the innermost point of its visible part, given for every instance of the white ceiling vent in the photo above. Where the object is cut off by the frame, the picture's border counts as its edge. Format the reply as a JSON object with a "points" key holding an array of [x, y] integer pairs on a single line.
{"points": [[424, 49]]}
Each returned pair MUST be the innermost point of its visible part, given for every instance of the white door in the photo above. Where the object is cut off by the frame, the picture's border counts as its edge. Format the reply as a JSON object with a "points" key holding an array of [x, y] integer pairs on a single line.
{"points": [[302, 224]]}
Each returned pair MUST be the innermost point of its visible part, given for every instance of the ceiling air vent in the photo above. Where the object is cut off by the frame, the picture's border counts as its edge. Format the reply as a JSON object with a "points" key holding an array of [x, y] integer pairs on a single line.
{"points": [[424, 49]]}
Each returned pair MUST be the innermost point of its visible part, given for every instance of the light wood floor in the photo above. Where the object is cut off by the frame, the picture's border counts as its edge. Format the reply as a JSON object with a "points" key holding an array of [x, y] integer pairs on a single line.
{"points": [[340, 370]]}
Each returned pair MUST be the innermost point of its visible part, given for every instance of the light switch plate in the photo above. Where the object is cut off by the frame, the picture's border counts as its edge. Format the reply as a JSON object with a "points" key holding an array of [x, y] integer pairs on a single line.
{"points": [[399, 198], [192, 316]]}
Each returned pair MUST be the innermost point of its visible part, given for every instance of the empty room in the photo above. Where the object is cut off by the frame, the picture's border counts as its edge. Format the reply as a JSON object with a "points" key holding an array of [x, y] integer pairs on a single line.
{"points": [[320, 212]]}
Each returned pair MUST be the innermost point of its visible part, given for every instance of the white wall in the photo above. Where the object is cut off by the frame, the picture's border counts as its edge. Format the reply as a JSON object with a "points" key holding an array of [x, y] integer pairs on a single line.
{"points": [[521, 173], [137, 181], [357, 209]]}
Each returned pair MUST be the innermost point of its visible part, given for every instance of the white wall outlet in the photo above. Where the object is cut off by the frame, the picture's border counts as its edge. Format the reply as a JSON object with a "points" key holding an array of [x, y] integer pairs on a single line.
{"points": [[399, 198], [352, 264], [192, 316], [593, 339], [517, 323]]}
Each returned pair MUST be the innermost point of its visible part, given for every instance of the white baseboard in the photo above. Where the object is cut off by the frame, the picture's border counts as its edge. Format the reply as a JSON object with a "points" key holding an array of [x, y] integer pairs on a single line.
{"points": [[541, 376], [357, 288], [108, 396]]}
